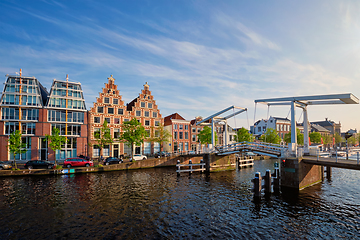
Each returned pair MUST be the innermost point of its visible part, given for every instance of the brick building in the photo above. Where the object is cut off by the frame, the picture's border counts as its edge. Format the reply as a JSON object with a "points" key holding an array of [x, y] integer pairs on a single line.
{"points": [[109, 106], [27, 106], [180, 131]]}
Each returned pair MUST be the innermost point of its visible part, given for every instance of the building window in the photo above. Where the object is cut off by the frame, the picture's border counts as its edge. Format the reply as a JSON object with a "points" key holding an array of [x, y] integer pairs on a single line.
{"points": [[194, 138], [175, 135], [180, 126], [126, 120], [199, 130], [96, 151], [154, 114], [96, 132], [147, 114], [110, 110], [175, 126], [193, 130], [149, 105], [264, 128], [115, 101], [107, 100], [186, 127], [120, 111], [96, 119], [116, 133], [138, 113], [157, 123], [180, 135], [259, 129], [142, 104], [107, 120], [147, 123], [106, 150], [100, 110], [116, 120], [147, 133], [186, 135]]}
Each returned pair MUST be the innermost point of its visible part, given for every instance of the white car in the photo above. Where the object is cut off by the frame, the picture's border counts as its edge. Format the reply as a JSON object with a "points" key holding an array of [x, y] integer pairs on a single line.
{"points": [[138, 157]]}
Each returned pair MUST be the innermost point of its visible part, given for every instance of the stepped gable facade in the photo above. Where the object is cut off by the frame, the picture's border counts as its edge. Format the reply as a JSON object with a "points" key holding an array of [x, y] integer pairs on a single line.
{"points": [[110, 107]]}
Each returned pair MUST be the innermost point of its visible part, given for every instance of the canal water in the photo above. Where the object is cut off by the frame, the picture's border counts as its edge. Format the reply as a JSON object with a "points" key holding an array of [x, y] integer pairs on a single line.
{"points": [[156, 204]]}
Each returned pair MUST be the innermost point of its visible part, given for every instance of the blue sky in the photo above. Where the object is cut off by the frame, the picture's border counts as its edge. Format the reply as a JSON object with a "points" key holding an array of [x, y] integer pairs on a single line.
{"points": [[198, 57]]}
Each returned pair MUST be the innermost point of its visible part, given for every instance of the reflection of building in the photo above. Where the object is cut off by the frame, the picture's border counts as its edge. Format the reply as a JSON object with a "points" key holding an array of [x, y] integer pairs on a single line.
{"points": [[179, 129], [110, 107], [25, 106]]}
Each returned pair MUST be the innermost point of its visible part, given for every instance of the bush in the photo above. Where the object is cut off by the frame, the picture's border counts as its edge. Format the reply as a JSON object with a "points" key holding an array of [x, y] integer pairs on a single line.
{"points": [[15, 169], [98, 165], [58, 167]]}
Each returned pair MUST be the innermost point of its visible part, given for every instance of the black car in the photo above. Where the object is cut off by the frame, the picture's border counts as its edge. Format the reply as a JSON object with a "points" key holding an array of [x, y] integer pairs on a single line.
{"points": [[38, 164], [112, 160], [162, 154]]}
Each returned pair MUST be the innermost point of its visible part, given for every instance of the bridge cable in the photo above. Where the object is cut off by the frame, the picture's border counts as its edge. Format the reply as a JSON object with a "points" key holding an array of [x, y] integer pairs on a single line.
{"points": [[288, 113], [300, 116], [267, 119]]}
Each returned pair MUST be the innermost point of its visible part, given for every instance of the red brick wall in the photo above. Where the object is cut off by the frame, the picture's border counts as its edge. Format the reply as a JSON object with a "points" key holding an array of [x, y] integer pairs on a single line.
{"points": [[35, 148], [4, 153]]}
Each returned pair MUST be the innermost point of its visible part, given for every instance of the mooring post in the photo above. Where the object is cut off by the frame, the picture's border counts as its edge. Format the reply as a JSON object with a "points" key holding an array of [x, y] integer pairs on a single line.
{"points": [[202, 166], [357, 154], [277, 180], [190, 162], [257, 185], [267, 181], [328, 172], [178, 167]]}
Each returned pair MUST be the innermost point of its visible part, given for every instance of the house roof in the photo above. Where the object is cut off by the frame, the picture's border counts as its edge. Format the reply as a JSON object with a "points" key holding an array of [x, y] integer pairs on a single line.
{"points": [[319, 128], [283, 119], [174, 116]]}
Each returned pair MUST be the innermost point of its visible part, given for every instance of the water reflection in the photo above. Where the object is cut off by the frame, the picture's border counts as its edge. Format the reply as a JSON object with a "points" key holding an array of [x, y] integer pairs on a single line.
{"points": [[157, 204]]}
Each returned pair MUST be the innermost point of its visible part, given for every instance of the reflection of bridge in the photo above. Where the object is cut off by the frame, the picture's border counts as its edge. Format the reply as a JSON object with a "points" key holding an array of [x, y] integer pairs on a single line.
{"points": [[268, 149]]}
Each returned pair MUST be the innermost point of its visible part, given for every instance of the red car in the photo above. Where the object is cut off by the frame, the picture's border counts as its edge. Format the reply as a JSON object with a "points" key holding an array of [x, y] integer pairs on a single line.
{"points": [[77, 162]]}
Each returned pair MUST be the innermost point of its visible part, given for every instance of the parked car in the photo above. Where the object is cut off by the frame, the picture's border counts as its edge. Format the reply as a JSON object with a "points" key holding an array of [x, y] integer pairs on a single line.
{"points": [[138, 157], [77, 162], [5, 165], [162, 154], [112, 160], [35, 164]]}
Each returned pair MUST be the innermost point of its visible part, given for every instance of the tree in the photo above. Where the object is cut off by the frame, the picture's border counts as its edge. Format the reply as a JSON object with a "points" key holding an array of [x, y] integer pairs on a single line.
{"points": [[55, 140], [133, 133], [16, 145], [315, 137], [103, 137], [243, 135], [270, 136], [204, 135], [338, 138], [299, 137], [160, 135], [327, 139], [351, 141]]}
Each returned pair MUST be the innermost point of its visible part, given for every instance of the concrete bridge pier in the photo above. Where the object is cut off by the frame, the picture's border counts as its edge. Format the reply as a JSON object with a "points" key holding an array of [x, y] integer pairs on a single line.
{"points": [[328, 172], [214, 162], [297, 175]]}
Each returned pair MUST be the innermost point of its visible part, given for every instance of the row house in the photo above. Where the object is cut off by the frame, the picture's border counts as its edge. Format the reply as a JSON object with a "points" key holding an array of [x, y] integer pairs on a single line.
{"points": [[27, 106], [180, 132], [110, 107], [330, 125], [281, 125]]}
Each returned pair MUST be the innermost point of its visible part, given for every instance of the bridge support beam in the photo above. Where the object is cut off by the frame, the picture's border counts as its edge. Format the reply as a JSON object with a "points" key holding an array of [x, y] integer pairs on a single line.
{"points": [[306, 130], [293, 144], [297, 175], [215, 163]]}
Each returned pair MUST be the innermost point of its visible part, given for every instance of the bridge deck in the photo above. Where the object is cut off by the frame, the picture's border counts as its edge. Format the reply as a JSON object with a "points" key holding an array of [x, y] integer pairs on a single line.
{"points": [[331, 162]]}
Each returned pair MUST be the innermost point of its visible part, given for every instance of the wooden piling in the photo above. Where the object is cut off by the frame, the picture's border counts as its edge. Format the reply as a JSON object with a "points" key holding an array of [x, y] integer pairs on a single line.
{"points": [[328, 172], [277, 180], [178, 167], [257, 184], [267, 180], [190, 167]]}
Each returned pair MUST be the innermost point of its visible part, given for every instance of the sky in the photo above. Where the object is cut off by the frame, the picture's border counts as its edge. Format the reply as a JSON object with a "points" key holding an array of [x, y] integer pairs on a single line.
{"points": [[199, 57]]}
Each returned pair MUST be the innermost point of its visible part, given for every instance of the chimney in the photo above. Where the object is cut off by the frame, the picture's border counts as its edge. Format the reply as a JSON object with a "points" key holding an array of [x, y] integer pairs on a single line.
{"points": [[326, 119]]}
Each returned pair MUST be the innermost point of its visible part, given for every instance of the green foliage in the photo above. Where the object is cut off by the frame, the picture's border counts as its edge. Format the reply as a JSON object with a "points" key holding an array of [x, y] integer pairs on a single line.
{"points": [[103, 138], [163, 135], [327, 139], [205, 136], [299, 137], [16, 146], [338, 138], [133, 133], [55, 140], [98, 165], [270, 136], [351, 141], [315, 137], [243, 135], [58, 167]]}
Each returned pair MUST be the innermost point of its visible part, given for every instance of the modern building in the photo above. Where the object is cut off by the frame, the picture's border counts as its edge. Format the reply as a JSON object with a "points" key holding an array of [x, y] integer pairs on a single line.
{"points": [[110, 107], [180, 131], [66, 110], [27, 106]]}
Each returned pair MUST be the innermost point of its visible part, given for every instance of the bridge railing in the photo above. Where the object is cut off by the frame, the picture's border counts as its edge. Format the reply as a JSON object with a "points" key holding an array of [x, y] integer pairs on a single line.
{"points": [[274, 148]]}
